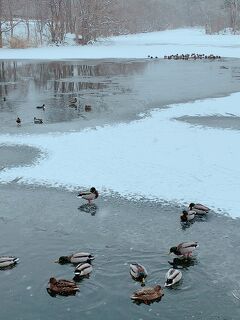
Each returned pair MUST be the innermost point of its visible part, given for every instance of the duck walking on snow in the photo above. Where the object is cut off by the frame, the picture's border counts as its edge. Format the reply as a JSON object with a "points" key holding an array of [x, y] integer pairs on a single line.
{"points": [[148, 295], [173, 276], [62, 287], [89, 195], [184, 249], [8, 262], [76, 258], [138, 272]]}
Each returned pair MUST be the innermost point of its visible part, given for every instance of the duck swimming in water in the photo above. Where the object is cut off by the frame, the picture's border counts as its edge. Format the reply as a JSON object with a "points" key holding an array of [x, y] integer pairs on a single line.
{"points": [[62, 287], [37, 121], [187, 215], [8, 262], [184, 249], [72, 100], [89, 195], [138, 272], [82, 270], [198, 208], [173, 276], [41, 107], [76, 258], [18, 121], [148, 295]]}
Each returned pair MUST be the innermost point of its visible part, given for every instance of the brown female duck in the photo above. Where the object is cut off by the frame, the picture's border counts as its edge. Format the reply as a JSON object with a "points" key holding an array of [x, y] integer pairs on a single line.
{"points": [[62, 287], [148, 295]]}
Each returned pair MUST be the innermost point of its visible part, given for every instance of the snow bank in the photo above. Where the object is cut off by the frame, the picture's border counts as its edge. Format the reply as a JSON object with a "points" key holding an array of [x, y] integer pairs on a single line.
{"points": [[155, 157], [137, 46]]}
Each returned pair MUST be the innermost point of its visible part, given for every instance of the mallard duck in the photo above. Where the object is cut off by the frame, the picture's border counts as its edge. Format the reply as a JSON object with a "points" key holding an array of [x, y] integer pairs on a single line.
{"points": [[62, 287], [89, 195], [41, 107], [18, 120], [173, 276], [8, 261], [37, 121], [138, 272], [187, 215], [73, 100], [148, 295], [198, 208], [184, 249], [87, 108], [76, 258], [83, 270]]}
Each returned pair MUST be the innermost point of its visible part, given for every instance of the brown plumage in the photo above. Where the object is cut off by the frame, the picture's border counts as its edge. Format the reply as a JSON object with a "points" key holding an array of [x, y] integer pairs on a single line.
{"points": [[148, 295], [62, 287]]}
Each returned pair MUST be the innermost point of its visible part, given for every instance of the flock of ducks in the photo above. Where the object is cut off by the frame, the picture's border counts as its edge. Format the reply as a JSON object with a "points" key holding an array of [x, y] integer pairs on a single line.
{"points": [[193, 56], [35, 120], [72, 104], [193, 211], [82, 262], [83, 267], [173, 276]]}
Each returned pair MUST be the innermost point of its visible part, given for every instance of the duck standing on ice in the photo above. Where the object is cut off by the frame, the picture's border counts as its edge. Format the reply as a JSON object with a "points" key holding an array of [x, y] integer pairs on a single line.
{"points": [[89, 195]]}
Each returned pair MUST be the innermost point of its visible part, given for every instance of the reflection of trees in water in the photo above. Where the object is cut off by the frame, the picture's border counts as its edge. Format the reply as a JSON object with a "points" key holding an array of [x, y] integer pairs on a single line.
{"points": [[42, 73], [65, 86], [8, 70]]}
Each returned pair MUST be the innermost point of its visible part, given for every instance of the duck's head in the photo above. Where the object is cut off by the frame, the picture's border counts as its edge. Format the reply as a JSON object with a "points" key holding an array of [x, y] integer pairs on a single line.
{"points": [[63, 260], [158, 287], [191, 205], [173, 250], [184, 212], [92, 190], [52, 280], [169, 281]]}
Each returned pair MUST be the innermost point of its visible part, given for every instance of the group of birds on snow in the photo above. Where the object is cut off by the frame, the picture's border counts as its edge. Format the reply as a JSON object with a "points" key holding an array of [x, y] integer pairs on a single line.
{"points": [[138, 272]]}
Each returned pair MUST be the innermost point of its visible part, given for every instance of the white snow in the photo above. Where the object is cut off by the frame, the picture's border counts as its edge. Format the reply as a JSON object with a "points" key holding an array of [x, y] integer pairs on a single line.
{"points": [[137, 46], [156, 157]]}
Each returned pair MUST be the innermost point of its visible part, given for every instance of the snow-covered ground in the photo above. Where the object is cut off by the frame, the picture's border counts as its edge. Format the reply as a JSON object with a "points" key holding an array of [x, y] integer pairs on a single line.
{"points": [[137, 46], [155, 157]]}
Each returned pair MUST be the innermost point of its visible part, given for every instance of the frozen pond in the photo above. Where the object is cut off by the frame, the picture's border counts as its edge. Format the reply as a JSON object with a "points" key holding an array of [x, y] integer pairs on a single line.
{"points": [[117, 90], [39, 224]]}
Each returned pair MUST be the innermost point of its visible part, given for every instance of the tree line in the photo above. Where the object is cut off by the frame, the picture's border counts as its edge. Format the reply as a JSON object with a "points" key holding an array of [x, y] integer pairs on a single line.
{"points": [[90, 19]]}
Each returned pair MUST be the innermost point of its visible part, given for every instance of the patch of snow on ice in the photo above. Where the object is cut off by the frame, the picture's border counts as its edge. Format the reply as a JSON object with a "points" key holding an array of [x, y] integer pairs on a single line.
{"points": [[155, 157]]}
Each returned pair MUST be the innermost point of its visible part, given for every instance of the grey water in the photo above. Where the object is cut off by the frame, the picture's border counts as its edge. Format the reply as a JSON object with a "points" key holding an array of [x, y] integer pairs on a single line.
{"points": [[39, 224], [116, 90]]}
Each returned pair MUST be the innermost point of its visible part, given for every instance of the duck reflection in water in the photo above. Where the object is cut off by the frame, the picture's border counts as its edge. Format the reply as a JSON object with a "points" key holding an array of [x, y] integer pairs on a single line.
{"points": [[183, 262], [89, 208]]}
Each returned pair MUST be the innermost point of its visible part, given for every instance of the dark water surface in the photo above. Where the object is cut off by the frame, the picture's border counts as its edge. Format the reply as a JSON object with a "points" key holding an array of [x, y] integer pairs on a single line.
{"points": [[12, 156], [223, 122], [39, 224], [117, 90]]}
